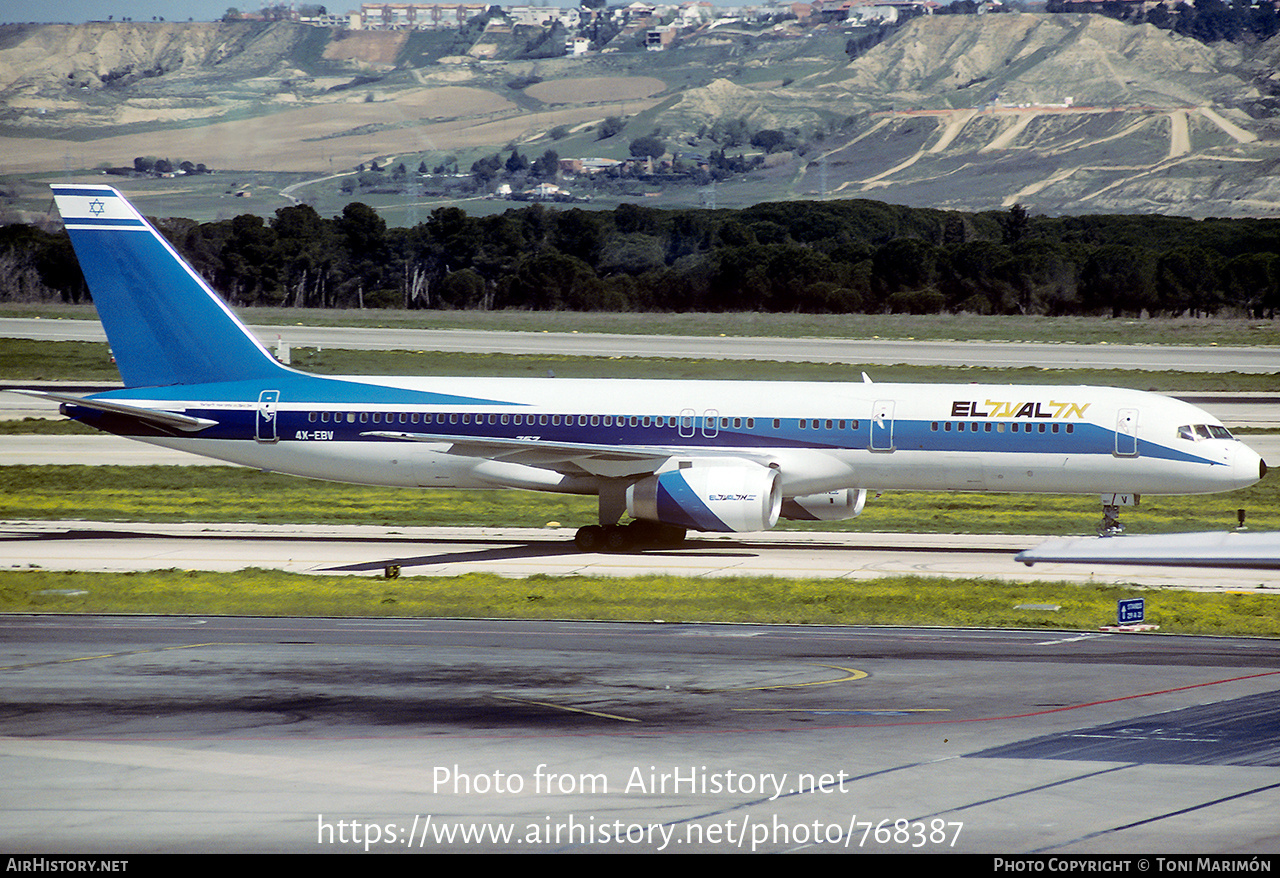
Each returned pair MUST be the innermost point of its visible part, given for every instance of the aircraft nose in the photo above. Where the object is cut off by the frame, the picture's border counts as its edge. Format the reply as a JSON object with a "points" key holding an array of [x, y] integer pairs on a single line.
{"points": [[1246, 466], [1249, 467]]}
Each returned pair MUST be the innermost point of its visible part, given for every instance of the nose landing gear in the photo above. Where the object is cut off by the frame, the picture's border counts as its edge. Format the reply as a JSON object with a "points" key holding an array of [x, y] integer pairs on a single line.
{"points": [[1110, 525]]}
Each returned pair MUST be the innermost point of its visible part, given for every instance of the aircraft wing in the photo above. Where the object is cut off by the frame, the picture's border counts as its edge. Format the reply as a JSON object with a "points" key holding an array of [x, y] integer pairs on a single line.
{"points": [[1241, 549], [610, 461], [175, 420]]}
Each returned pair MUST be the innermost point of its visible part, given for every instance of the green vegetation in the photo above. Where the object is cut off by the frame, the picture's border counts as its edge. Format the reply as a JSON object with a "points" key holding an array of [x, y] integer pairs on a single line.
{"points": [[901, 600], [236, 494], [925, 327], [25, 360], [44, 427], [22, 360], [827, 257]]}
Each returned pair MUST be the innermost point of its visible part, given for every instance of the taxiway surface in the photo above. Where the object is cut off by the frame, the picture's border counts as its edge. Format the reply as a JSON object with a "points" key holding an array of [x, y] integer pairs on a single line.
{"points": [[522, 552], [206, 734], [821, 350]]}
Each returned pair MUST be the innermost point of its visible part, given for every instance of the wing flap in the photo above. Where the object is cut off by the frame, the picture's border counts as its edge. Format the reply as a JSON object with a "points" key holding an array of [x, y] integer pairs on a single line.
{"points": [[608, 461]]}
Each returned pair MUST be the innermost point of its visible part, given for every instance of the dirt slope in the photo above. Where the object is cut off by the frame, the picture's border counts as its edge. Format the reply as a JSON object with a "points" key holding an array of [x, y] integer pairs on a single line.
{"points": [[37, 59], [969, 112], [1063, 113], [963, 60]]}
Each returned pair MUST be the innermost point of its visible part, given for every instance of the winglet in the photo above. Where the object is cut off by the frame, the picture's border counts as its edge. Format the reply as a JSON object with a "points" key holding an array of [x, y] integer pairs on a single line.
{"points": [[164, 323]]}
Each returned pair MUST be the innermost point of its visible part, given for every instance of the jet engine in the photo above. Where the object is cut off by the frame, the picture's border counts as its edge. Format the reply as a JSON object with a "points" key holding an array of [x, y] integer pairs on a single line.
{"points": [[831, 506], [715, 497]]}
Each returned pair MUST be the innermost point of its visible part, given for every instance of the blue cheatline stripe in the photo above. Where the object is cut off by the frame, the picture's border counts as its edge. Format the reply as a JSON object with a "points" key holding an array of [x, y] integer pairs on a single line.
{"points": [[95, 192], [95, 222]]}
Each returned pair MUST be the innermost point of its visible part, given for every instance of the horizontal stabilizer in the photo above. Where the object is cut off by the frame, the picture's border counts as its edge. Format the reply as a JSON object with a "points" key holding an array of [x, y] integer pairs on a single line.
{"points": [[153, 416]]}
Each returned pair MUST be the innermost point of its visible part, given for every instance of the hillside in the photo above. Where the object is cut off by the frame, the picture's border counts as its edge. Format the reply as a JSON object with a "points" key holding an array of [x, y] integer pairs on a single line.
{"points": [[121, 73], [1063, 113], [962, 61]]}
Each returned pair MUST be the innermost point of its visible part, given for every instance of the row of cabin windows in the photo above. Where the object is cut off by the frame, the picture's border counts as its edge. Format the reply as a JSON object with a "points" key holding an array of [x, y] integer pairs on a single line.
{"points": [[517, 420], [555, 420], [986, 427]]}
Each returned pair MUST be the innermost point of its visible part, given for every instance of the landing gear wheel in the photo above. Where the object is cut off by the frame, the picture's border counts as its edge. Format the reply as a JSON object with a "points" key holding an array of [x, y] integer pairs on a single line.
{"points": [[1110, 525], [617, 539], [636, 536], [590, 538]]}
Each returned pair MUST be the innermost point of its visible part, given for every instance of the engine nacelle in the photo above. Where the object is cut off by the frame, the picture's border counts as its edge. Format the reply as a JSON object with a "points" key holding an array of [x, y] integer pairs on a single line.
{"points": [[721, 498], [831, 506]]}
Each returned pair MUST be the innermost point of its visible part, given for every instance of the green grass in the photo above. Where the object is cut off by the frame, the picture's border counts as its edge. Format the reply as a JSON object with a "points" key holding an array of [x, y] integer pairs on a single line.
{"points": [[238, 494], [23, 360], [44, 427], [900, 600], [26, 360], [963, 327]]}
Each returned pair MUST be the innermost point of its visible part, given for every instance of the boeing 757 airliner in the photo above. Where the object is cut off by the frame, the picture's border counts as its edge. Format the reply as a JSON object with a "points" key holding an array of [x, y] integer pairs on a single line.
{"points": [[674, 455]]}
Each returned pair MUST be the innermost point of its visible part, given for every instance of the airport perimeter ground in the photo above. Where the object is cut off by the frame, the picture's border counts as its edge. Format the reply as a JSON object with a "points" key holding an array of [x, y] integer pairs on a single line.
{"points": [[128, 735]]}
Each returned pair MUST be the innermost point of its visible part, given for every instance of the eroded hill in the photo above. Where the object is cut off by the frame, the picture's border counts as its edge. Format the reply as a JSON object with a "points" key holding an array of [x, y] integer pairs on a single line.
{"points": [[1063, 113]]}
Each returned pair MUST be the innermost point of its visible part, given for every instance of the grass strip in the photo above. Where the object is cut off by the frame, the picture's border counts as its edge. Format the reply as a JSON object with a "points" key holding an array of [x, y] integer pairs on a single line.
{"points": [[900, 600], [240, 494], [24, 360], [1234, 331]]}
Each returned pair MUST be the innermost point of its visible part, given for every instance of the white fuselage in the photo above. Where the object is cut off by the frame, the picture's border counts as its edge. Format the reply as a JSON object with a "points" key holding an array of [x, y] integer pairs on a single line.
{"points": [[819, 436]]}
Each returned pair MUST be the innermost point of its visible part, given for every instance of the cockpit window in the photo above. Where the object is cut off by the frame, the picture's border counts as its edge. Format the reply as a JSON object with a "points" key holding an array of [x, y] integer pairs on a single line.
{"points": [[1197, 432]]}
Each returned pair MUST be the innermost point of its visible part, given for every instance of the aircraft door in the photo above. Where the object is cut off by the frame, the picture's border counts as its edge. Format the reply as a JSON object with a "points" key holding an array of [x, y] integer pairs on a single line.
{"points": [[1127, 433], [882, 425], [686, 423], [710, 424], [265, 421]]}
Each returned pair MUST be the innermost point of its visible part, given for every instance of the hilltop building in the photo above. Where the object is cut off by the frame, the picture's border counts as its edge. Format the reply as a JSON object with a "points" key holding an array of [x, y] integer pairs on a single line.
{"points": [[415, 16]]}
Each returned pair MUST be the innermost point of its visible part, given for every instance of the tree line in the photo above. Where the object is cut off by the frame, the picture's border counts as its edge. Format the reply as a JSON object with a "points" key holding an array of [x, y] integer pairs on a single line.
{"points": [[852, 256]]}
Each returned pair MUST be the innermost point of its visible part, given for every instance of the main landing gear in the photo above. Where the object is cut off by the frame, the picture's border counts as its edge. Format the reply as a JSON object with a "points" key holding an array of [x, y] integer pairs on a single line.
{"points": [[630, 537], [609, 536]]}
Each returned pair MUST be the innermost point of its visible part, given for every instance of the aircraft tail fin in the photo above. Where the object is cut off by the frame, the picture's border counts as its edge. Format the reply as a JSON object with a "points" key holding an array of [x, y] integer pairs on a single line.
{"points": [[164, 323]]}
